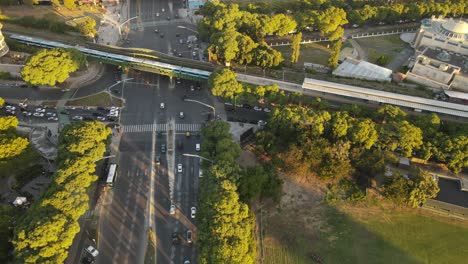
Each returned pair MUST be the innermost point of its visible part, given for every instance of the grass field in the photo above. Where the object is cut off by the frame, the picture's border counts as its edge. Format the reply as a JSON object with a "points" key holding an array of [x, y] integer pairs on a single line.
{"points": [[308, 231], [375, 47], [61, 14], [100, 99], [313, 53]]}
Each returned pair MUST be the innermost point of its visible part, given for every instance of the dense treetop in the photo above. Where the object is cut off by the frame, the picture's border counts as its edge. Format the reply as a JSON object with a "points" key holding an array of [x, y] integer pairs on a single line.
{"points": [[49, 67], [47, 230]]}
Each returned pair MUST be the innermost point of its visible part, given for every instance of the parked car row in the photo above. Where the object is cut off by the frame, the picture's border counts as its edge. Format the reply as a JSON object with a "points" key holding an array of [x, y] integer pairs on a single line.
{"points": [[230, 106]]}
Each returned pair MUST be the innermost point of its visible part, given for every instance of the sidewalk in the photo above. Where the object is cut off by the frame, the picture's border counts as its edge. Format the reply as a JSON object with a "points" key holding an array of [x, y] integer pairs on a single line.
{"points": [[94, 72], [115, 15]]}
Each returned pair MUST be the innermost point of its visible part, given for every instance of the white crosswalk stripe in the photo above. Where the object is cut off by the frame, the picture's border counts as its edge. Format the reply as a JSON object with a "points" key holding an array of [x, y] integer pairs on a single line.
{"points": [[160, 127]]}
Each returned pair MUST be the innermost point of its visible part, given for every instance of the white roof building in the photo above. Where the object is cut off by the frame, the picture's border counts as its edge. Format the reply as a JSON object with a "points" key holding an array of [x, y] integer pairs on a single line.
{"points": [[353, 68], [448, 34]]}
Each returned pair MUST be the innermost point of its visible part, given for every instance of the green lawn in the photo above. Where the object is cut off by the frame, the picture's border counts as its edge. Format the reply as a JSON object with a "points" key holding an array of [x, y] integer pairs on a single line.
{"points": [[100, 99], [391, 237], [313, 53]]}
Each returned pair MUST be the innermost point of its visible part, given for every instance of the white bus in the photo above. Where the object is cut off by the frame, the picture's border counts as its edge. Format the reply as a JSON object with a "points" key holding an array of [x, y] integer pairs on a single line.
{"points": [[111, 175]]}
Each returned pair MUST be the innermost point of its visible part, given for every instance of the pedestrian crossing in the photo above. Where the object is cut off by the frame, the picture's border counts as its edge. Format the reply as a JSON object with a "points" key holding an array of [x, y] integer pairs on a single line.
{"points": [[160, 128]]}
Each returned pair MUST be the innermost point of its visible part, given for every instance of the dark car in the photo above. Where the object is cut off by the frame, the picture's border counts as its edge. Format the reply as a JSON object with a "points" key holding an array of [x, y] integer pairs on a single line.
{"points": [[64, 112], [158, 160], [100, 108], [246, 106], [88, 118], [97, 114], [162, 35], [176, 238]]}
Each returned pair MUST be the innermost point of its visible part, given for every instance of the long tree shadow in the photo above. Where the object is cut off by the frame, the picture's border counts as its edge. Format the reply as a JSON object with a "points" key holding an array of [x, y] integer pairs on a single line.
{"points": [[316, 232]]}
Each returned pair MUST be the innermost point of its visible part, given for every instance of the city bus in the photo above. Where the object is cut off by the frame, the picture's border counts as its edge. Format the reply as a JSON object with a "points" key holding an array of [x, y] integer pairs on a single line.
{"points": [[111, 175]]}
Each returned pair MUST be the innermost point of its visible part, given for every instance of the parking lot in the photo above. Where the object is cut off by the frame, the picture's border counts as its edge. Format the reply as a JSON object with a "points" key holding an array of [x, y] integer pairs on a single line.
{"points": [[43, 114]]}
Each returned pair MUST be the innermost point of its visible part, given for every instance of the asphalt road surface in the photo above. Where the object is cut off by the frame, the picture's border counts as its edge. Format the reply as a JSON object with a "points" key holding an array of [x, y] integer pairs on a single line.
{"points": [[145, 127], [161, 34]]}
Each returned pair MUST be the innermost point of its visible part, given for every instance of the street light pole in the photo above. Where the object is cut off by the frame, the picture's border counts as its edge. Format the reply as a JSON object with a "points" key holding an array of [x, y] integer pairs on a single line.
{"points": [[197, 156], [207, 105], [126, 21]]}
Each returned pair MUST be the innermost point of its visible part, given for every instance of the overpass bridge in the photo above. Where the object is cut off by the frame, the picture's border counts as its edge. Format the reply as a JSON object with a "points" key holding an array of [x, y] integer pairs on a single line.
{"points": [[160, 63], [140, 59]]}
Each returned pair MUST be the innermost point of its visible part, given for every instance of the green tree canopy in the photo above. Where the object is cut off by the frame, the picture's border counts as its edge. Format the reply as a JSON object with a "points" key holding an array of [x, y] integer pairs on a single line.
{"points": [[267, 57], [224, 83], [8, 122], [363, 133], [409, 137], [224, 45], [296, 47], [70, 4], [11, 146], [49, 67], [87, 27], [391, 113]]}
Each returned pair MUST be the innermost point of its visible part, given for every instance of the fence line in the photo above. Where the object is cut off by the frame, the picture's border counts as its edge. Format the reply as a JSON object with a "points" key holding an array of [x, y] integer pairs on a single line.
{"points": [[446, 208], [363, 35]]}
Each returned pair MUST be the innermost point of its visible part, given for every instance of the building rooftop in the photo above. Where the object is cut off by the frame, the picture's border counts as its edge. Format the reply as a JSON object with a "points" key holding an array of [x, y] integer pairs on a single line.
{"points": [[455, 29], [448, 57], [456, 26], [362, 70]]}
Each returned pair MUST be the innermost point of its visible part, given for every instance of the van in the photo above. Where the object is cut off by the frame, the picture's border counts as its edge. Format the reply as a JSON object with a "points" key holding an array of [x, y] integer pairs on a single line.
{"points": [[197, 147]]}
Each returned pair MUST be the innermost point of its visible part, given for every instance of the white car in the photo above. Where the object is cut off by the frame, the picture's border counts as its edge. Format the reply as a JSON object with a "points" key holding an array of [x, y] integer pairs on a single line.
{"points": [[11, 112], [162, 106], [193, 210], [181, 115], [187, 262], [179, 167], [114, 108], [40, 110], [100, 118], [10, 107], [91, 250], [266, 110], [51, 114], [257, 108], [77, 118], [261, 123], [70, 107], [52, 118], [200, 173], [172, 209], [23, 105], [25, 113], [37, 114]]}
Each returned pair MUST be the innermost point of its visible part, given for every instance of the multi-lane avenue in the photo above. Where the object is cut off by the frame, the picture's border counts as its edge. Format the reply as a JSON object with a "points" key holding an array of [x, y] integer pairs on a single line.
{"points": [[148, 181]]}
